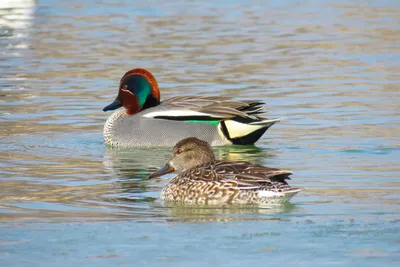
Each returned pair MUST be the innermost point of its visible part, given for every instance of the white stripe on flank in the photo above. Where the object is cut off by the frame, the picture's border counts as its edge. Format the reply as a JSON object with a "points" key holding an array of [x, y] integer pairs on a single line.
{"points": [[177, 113]]}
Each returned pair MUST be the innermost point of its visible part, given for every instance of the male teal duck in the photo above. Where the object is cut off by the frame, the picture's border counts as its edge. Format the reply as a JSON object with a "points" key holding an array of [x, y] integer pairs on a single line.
{"points": [[203, 180], [148, 122]]}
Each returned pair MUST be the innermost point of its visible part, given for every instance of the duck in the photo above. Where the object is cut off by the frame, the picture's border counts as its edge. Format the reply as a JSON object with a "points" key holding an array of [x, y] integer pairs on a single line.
{"points": [[146, 121], [203, 180]]}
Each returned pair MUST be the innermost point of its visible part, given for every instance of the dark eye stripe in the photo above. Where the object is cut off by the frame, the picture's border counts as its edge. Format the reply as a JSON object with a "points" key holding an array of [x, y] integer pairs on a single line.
{"points": [[180, 150]]}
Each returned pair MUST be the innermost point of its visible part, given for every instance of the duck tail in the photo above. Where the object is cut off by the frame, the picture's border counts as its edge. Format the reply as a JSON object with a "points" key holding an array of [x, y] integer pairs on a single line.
{"points": [[288, 194], [241, 133], [274, 197]]}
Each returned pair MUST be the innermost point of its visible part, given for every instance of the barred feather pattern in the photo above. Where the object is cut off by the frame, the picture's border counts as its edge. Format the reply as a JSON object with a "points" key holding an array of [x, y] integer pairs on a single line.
{"points": [[230, 182]]}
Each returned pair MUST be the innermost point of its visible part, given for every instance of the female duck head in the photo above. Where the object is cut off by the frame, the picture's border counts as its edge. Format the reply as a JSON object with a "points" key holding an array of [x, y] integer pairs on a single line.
{"points": [[138, 90], [187, 154]]}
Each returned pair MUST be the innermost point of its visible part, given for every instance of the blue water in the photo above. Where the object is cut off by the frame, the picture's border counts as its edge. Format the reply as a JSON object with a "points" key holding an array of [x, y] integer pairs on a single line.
{"points": [[330, 69]]}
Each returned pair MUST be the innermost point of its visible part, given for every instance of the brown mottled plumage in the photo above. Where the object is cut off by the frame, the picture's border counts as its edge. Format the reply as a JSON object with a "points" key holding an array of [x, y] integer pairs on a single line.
{"points": [[203, 180]]}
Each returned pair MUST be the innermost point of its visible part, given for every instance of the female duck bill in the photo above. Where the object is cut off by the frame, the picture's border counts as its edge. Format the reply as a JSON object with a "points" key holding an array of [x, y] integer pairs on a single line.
{"points": [[163, 170]]}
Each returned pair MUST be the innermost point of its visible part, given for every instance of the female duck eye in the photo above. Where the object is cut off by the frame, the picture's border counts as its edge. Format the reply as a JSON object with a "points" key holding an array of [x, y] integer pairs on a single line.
{"points": [[178, 151]]}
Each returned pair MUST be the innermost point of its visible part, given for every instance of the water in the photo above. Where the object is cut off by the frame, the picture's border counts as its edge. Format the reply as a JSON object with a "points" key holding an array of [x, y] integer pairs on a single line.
{"points": [[331, 69]]}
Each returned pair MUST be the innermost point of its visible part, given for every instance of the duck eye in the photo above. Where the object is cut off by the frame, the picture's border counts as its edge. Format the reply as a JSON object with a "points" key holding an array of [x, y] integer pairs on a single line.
{"points": [[179, 151]]}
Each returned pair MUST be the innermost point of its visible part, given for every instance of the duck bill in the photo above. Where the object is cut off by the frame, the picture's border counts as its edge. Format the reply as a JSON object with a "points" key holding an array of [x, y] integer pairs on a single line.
{"points": [[164, 170], [114, 105]]}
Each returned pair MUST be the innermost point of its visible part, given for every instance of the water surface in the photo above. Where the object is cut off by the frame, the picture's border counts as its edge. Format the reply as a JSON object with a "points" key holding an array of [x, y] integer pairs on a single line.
{"points": [[331, 70]]}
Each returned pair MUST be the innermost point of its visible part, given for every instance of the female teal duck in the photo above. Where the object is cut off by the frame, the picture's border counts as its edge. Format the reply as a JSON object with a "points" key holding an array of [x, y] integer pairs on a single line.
{"points": [[147, 122], [203, 180]]}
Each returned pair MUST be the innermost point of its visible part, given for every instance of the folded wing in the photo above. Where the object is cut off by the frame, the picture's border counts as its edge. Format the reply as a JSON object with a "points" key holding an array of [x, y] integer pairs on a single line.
{"points": [[238, 174]]}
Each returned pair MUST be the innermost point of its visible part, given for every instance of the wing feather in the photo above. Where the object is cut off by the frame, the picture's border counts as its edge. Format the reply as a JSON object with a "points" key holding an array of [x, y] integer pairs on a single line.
{"points": [[190, 107], [241, 174]]}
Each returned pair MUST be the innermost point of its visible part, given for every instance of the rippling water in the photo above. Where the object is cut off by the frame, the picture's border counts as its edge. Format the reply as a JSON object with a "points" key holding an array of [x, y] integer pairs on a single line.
{"points": [[332, 70]]}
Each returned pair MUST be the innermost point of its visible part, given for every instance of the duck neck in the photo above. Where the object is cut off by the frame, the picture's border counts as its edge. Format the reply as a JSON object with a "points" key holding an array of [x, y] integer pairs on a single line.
{"points": [[151, 101]]}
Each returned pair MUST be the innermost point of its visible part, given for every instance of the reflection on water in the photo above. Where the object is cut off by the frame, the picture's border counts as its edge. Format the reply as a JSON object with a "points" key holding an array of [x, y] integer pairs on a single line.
{"points": [[228, 213], [330, 69], [16, 14]]}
